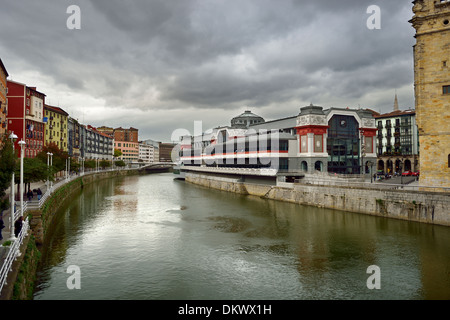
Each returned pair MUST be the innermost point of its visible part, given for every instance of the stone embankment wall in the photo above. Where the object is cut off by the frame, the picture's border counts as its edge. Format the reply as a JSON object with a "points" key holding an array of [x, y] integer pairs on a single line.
{"points": [[419, 206]]}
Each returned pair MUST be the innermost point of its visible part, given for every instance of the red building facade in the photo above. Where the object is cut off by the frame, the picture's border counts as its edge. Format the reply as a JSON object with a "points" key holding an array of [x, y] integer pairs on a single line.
{"points": [[26, 116]]}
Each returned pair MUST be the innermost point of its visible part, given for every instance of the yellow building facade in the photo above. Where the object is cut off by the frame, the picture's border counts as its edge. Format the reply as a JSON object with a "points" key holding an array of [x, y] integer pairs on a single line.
{"points": [[56, 127], [431, 21]]}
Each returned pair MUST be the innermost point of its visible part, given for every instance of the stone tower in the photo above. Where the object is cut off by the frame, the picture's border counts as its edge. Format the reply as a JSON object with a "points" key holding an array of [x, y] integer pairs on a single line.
{"points": [[432, 89]]}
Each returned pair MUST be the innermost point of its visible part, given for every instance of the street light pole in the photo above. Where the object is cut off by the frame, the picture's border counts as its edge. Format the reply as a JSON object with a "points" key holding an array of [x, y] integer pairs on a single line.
{"points": [[22, 146], [68, 170], [48, 171], [51, 169], [13, 137], [363, 152], [401, 172]]}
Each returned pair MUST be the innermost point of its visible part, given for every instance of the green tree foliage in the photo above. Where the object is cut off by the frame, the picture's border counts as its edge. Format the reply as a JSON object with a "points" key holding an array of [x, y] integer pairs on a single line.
{"points": [[104, 164], [7, 167], [34, 170], [74, 165], [117, 153], [120, 163], [90, 164], [58, 159]]}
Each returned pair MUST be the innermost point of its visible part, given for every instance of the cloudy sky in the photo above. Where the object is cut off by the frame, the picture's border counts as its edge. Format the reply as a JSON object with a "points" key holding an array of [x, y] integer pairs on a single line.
{"points": [[160, 65]]}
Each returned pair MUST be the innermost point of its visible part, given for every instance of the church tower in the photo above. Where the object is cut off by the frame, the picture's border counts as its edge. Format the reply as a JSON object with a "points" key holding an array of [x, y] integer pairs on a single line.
{"points": [[396, 103], [432, 89]]}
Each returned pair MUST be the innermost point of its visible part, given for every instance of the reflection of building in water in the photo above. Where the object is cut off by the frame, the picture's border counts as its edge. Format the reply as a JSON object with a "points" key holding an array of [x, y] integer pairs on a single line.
{"points": [[125, 200], [326, 240], [335, 140], [434, 262]]}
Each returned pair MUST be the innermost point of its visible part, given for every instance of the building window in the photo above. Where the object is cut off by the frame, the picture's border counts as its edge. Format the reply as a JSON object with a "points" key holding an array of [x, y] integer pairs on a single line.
{"points": [[303, 144], [446, 90], [318, 143]]}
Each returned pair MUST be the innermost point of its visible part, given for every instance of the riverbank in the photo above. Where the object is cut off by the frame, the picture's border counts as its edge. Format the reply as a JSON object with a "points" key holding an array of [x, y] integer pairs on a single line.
{"points": [[20, 281], [417, 206]]}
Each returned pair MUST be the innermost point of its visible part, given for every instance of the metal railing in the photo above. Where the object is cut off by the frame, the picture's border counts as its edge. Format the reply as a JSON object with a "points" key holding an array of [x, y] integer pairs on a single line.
{"points": [[231, 170], [18, 212], [13, 253]]}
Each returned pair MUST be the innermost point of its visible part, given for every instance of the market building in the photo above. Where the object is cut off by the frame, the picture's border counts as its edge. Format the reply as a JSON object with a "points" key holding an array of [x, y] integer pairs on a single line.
{"points": [[335, 140]]}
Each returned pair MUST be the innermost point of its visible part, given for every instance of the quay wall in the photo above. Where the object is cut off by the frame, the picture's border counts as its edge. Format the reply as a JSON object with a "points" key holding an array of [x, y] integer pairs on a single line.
{"points": [[418, 206], [22, 277]]}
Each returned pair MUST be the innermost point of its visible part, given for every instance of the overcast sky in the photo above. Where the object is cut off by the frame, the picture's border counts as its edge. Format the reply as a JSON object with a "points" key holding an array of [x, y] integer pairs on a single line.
{"points": [[160, 65]]}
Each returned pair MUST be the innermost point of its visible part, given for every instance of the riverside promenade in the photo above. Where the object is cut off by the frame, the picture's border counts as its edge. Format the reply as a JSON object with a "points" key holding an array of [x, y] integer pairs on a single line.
{"points": [[13, 249]]}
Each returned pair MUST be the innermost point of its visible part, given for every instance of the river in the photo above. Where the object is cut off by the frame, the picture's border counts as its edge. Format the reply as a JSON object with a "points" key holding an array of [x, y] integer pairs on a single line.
{"points": [[153, 237]]}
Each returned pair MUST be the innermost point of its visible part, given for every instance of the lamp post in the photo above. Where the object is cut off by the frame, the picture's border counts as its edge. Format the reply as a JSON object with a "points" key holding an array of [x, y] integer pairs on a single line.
{"points": [[22, 145], [51, 169], [48, 170], [13, 137], [363, 152], [401, 172]]}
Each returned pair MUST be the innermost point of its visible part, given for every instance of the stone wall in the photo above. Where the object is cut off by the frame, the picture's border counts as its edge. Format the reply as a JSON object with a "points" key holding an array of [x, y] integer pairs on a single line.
{"points": [[419, 206]]}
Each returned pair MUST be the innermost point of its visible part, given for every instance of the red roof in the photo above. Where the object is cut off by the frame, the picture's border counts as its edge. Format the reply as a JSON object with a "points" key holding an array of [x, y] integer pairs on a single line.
{"points": [[396, 113], [56, 109], [99, 132]]}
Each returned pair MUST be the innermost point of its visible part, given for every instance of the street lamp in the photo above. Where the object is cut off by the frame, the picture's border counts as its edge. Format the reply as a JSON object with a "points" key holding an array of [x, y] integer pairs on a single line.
{"points": [[13, 137], [68, 170], [363, 152], [51, 169], [48, 170], [401, 171], [22, 145]]}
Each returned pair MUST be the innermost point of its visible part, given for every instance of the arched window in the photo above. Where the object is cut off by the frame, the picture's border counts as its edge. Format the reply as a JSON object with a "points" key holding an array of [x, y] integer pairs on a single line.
{"points": [[318, 165], [304, 166]]}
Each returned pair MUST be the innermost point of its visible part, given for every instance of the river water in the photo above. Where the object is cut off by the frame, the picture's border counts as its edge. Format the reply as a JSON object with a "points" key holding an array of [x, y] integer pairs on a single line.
{"points": [[153, 237]]}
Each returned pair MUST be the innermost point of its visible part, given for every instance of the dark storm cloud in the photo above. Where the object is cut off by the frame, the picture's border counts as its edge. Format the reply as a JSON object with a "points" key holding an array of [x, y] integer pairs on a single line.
{"points": [[214, 55]]}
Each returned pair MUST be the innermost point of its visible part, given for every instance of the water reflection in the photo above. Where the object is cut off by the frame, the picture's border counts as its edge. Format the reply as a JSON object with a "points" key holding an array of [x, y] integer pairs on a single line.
{"points": [[190, 242]]}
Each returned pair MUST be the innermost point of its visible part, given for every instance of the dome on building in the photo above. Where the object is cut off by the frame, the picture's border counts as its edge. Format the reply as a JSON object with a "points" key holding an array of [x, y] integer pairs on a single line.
{"points": [[246, 119]]}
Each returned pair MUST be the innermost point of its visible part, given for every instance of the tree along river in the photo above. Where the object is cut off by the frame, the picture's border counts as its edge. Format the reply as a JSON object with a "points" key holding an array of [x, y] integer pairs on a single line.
{"points": [[153, 237]]}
